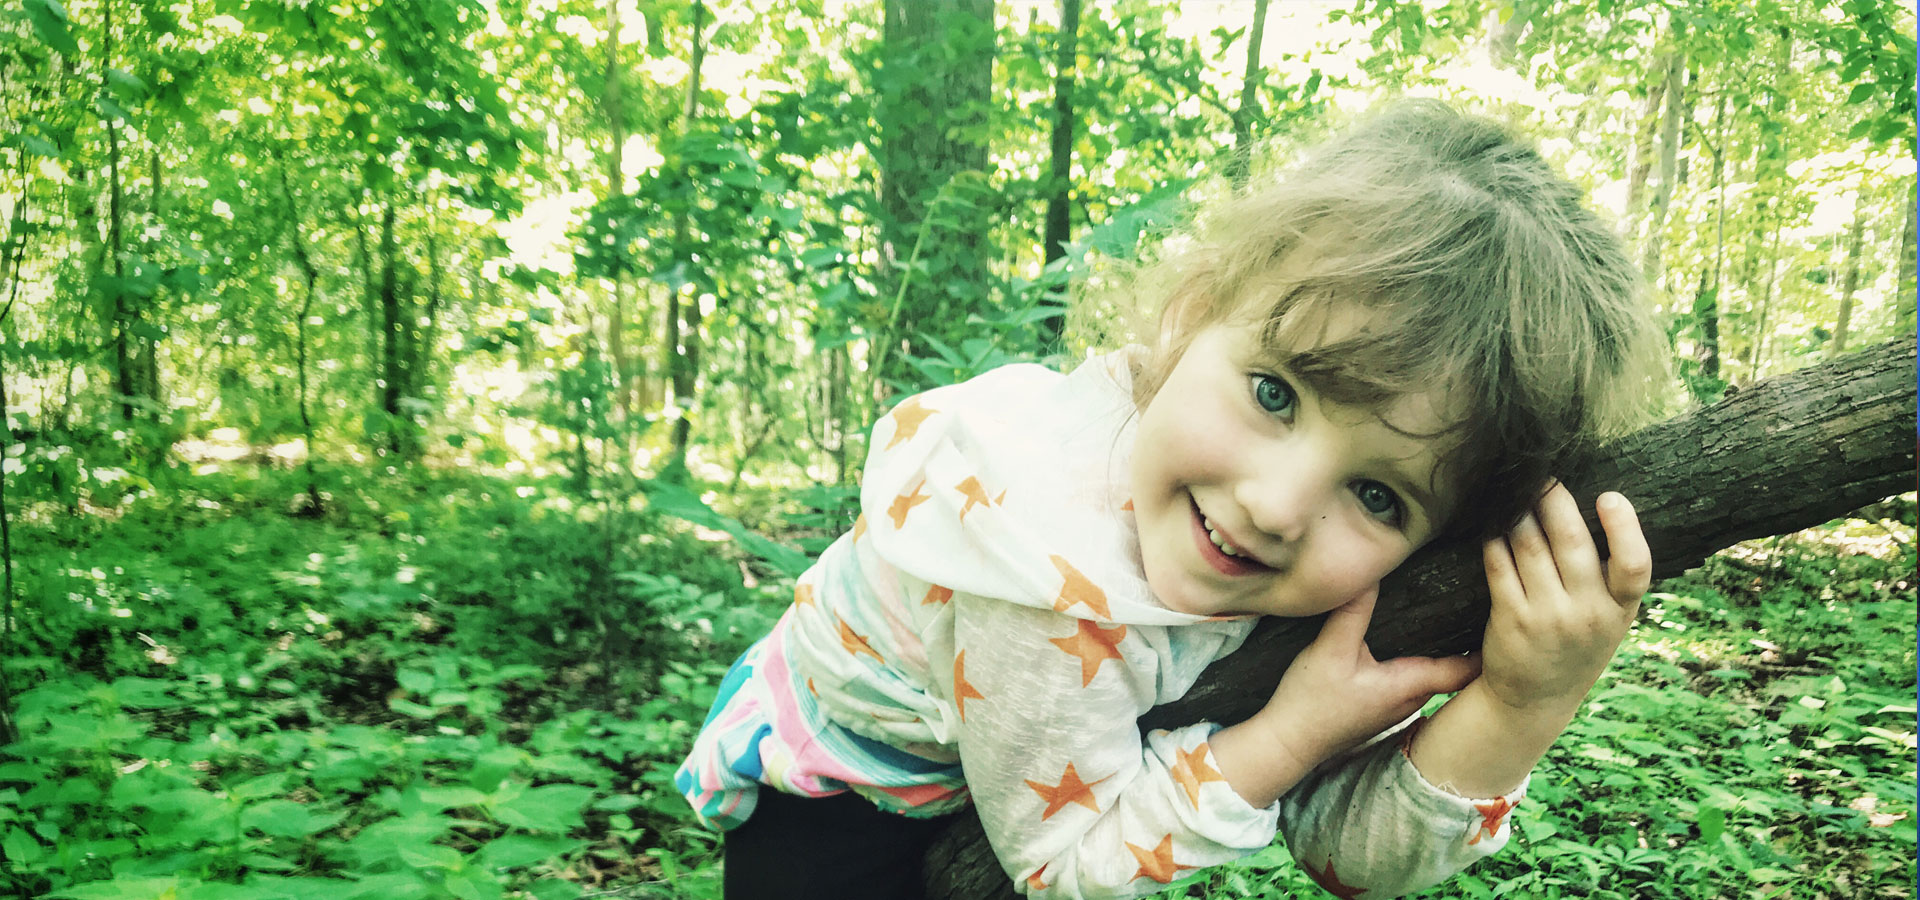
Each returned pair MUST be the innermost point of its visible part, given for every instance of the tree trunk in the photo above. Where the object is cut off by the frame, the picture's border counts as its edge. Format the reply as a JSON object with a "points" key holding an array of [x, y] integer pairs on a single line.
{"points": [[1503, 38], [1855, 241], [1706, 302], [684, 341], [1060, 170], [931, 115], [613, 100], [1787, 454], [297, 242], [393, 376], [1670, 138], [421, 341], [146, 349], [1904, 293], [1241, 163], [1766, 302], [1641, 161], [124, 313]]}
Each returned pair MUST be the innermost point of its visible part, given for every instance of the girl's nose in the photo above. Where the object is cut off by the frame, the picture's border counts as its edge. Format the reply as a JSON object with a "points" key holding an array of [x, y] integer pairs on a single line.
{"points": [[1285, 498]]}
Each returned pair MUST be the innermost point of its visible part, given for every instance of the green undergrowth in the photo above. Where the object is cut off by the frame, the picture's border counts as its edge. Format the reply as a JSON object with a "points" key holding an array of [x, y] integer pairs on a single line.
{"points": [[461, 687]]}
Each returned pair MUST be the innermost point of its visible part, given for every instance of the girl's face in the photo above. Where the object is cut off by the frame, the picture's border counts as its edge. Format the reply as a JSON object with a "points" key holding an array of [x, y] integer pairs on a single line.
{"points": [[1253, 495]]}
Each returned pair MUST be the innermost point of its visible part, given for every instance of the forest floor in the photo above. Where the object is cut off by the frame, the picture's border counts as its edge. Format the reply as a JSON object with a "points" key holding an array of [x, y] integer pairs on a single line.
{"points": [[456, 686]]}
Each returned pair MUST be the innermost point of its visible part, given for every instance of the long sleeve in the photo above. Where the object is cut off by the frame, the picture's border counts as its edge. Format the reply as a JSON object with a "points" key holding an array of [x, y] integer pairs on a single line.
{"points": [[1369, 825], [989, 605]]}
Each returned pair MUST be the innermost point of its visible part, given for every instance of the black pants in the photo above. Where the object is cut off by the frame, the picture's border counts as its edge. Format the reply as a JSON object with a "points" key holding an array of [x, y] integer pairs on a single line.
{"points": [[830, 848]]}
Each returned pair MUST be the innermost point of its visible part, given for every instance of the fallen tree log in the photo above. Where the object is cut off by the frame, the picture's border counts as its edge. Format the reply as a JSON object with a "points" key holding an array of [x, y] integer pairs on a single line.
{"points": [[1785, 454]]}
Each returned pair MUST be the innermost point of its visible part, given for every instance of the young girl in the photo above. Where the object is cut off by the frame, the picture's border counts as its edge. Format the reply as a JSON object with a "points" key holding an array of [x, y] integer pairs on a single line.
{"points": [[1401, 341]]}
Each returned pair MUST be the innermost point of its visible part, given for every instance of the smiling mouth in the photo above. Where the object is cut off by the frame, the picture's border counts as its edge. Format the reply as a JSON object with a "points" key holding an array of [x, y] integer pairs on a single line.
{"points": [[1217, 551]]}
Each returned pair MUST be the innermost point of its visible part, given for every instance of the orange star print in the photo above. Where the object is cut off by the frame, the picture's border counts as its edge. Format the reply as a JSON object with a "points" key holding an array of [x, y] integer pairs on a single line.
{"points": [[975, 494], [1331, 883], [1492, 813], [1093, 644], [906, 421], [1070, 790], [961, 689], [937, 594], [859, 526], [1157, 863], [803, 595], [1190, 771], [856, 644], [906, 502], [1033, 881], [1078, 588]]}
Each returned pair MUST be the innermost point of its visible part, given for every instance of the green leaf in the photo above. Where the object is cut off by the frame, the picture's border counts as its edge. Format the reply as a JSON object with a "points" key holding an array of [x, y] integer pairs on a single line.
{"points": [[126, 86], [473, 885], [516, 851], [430, 856], [1713, 823], [556, 889], [285, 818], [446, 797], [20, 847], [553, 807], [678, 502], [50, 22], [123, 889], [260, 788], [415, 681], [144, 693]]}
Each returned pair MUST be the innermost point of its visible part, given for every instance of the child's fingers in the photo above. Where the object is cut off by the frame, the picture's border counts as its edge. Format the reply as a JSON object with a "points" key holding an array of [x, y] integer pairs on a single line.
{"points": [[1347, 624], [1503, 580], [1630, 562], [1574, 554], [1435, 675], [1533, 558]]}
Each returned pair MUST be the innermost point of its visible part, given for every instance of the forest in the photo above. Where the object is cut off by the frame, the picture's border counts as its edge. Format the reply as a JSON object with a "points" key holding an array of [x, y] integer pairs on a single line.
{"points": [[412, 408]]}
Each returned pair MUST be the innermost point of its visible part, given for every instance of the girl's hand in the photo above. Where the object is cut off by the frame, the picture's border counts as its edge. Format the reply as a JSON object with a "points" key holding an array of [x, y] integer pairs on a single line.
{"points": [[1559, 613], [1335, 695]]}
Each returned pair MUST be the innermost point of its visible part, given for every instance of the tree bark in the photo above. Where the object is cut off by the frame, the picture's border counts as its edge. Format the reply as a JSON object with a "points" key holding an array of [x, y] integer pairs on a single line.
{"points": [[1241, 164], [1641, 160], [1060, 170], [1855, 242], [1706, 301], [1786, 454], [613, 100], [296, 241], [1670, 138], [393, 379], [123, 312], [683, 340], [1904, 292]]}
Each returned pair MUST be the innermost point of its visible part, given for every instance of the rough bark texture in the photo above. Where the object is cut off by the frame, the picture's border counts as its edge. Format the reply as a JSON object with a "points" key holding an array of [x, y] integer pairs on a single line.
{"points": [[1785, 454]]}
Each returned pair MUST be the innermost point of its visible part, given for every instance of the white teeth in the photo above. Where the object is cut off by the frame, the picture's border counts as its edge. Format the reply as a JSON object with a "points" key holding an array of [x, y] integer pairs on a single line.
{"points": [[1218, 541]]}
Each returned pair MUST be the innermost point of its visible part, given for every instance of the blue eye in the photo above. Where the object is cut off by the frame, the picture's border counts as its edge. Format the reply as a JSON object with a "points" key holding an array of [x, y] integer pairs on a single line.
{"points": [[1379, 500], [1273, 395]]}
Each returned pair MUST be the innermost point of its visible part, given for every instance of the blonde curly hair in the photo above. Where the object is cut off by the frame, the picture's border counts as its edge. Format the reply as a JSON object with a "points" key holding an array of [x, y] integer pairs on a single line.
{"points": [[1478, 270]]}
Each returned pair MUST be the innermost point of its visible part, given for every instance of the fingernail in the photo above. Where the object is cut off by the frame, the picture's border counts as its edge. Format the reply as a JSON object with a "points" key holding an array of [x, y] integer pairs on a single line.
{"points": [[1610, 501]]}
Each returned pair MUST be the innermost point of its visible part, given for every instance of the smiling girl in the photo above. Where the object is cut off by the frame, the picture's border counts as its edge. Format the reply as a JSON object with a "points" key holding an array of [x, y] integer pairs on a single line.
{"points": [[1400, 341]]}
